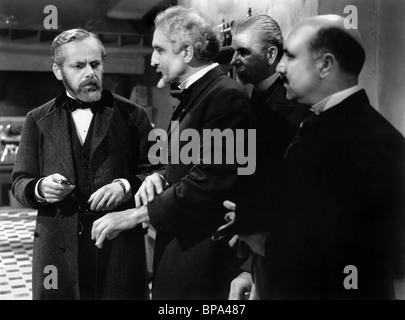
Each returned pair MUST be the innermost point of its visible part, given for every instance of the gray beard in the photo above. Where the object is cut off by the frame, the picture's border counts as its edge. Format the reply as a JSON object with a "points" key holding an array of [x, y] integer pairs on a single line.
{"points": [[83, 94]]}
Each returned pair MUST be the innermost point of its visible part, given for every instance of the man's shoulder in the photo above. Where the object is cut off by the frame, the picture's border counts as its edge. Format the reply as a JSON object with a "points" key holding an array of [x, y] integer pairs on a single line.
{"points": [[218, 77], [43, 109], [225, 87], [122, 101]]}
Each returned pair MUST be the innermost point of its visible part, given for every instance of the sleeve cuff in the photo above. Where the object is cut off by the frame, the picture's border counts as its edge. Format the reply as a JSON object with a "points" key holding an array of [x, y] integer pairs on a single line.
{"points": [[125, 185], [36, 192]]}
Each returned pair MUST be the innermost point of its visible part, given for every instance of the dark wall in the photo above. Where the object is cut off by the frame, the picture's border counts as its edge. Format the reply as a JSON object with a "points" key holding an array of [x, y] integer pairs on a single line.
{"points": [[71, 14], [20, 92]]}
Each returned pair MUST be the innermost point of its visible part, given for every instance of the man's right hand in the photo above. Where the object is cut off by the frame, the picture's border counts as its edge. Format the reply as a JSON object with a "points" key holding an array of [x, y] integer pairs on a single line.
{"points": [[223, 231], [242, 288], [54, 188], [153, 185]]}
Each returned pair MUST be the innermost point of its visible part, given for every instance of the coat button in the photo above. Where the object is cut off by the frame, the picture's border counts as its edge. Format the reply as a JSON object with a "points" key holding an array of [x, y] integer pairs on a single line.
{"points": [[62, 249]]}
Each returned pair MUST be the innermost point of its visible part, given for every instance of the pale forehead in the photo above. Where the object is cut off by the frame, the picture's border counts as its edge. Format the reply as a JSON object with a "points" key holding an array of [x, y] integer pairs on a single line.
{"points": [[314, 24], [300, 36], [86, 49], [160, 38]]}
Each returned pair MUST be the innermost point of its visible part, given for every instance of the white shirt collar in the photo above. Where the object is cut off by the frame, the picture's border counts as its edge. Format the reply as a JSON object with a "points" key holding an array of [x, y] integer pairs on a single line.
{"points": [[266, 83], [69, 95], [334, 99], [194, 77], [82, 119]]}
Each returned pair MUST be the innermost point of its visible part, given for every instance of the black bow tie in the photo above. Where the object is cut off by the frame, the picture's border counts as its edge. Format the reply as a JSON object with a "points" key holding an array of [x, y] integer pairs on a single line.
{"points": [[73, 105]]}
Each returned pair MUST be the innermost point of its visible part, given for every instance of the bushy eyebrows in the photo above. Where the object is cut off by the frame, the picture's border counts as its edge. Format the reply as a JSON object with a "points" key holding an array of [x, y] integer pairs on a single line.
{"points": [[84, 61], [242, 49]]}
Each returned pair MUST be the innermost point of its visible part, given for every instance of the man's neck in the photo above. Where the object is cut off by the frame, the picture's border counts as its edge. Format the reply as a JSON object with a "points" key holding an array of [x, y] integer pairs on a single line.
{"points": [[266, 83], [195, 74], [334, 99]]}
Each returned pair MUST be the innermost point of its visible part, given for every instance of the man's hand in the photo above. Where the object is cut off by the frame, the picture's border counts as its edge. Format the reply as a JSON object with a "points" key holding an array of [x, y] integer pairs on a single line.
{"points": [[153, 185], [242, 288], [107, 197], [230, 218], [111, 224], [54, 188]]}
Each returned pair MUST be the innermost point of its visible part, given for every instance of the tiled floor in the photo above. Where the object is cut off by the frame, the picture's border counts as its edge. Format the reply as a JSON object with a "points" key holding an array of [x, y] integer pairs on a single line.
{"points": [[16, 244], [16, 236]]}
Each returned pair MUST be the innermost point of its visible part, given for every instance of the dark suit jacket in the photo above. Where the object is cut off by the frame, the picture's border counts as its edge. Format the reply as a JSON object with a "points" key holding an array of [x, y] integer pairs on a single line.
{"points": [[119, 144], [188, 265], [276, 121], [339, 202]]}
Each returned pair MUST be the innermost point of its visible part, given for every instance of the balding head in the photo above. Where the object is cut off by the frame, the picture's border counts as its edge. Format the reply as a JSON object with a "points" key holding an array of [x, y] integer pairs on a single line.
{"points": [[331, 21], [329, 35], [321, 57]]}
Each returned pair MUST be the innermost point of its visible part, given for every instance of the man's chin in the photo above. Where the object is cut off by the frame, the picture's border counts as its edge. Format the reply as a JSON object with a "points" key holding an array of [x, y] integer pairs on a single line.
{"points": [[242, 79], [163, 83], [289, 96], [90, 96]]}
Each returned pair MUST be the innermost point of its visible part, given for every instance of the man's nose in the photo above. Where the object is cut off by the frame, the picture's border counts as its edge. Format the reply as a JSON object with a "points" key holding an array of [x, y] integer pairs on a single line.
{"points": [[281, 66], [89, 71], [235, 59], [153, 61]]}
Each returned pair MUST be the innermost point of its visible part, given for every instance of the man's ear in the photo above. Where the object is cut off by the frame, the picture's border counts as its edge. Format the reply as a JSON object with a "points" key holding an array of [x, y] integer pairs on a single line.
{"points": [[272, 53], [188, 52], [57, 71], [327, 63]]}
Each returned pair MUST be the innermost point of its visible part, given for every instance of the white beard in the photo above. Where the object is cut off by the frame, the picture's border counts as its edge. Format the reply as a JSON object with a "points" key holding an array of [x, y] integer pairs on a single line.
{"points": [[164, 82]]}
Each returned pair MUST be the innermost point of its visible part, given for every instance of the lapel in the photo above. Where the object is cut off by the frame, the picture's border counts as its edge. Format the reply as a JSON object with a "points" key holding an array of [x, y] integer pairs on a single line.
{"points": [[102, 122], [57, 121], [56, 129]]}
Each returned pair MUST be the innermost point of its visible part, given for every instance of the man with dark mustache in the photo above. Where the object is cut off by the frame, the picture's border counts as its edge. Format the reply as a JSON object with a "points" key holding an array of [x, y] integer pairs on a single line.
{"points": [[79, 158], [335, 228]]}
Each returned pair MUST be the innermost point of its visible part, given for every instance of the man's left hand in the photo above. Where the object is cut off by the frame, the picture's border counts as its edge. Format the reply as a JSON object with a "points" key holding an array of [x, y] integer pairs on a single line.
{"points": [[107, 197], [111, 224]]}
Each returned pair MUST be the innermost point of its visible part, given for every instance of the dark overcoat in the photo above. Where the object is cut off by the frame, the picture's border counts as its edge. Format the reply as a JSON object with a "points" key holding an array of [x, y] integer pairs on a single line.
{"points": [[119, 146], [188, 264], [336, 215]]}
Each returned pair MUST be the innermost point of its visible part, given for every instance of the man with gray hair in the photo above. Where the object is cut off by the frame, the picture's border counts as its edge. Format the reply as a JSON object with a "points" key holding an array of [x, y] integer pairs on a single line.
{"points": [[80, 156], [184, 204]]}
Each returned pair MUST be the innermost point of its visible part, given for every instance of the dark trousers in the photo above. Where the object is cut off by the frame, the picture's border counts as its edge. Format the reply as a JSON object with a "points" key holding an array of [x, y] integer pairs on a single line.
{"points": [[87, 257]]}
